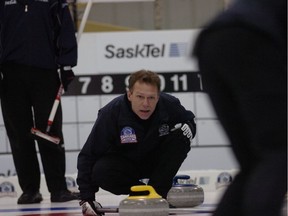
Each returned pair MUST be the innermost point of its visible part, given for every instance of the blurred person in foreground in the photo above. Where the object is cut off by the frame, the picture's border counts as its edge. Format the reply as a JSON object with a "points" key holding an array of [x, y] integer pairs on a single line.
{"points": [[141, 134], [242, 57], [37, 38]]}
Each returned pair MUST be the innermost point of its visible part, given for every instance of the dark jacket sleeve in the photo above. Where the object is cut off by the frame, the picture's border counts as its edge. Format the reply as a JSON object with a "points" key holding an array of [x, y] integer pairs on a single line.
{"points": [[99, 142], [66, 43], [1, 23]]}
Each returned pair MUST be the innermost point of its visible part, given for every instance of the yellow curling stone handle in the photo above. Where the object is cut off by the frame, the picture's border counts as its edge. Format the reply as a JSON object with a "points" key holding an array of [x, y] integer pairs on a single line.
{"points": [[139, 188]]}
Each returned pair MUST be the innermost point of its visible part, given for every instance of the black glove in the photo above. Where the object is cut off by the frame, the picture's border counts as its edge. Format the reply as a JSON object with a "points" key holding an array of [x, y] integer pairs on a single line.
{"points": [[66, 75], [184, 131], [89, 208]]}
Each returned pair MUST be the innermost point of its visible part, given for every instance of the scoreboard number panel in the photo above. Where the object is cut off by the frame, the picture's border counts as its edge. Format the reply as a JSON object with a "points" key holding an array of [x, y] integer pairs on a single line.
{"points": [[103, 84]]}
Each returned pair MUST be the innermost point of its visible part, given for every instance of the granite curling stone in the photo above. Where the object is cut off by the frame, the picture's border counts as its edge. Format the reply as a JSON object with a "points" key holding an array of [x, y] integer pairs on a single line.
{"points": [[185, 195], [148, 205]]}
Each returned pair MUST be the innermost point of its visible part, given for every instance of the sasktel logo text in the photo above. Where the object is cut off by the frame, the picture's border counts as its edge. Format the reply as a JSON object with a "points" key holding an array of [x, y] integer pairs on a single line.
{"points": [[138, 51]]}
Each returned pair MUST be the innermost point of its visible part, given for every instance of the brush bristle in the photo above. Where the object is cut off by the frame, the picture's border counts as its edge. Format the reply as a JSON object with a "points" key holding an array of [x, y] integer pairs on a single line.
{"points": [[38, 133]]}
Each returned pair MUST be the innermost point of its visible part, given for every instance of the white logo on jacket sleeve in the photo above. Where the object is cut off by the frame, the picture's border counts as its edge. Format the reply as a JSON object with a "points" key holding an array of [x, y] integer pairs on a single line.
{"points": [[163, 129], [128, 135]]}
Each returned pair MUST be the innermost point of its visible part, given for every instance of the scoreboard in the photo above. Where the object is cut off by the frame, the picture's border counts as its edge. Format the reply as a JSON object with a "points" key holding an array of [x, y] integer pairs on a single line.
{"points": [[103, 84]]}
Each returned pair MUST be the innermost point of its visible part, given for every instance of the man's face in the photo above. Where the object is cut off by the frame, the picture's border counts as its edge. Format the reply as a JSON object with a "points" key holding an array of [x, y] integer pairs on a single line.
{"points": [[143, 98]]}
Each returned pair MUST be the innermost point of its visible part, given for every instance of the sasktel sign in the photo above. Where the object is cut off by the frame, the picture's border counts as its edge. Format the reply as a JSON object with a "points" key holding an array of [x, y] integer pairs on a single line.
{"points": [[148, 50], [118, 52], [138, 51]]}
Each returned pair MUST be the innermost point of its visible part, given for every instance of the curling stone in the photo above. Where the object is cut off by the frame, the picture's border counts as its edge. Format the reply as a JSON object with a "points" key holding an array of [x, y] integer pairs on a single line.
{"points": [[148, 205], [185, 195]]}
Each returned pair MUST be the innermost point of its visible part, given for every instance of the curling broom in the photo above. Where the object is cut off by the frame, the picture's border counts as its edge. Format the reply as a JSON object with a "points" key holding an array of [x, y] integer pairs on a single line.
{"points": [[46, 135]]}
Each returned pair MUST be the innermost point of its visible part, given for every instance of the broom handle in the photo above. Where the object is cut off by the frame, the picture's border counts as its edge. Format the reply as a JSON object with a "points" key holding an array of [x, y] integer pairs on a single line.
{"points": [[54, 109]]}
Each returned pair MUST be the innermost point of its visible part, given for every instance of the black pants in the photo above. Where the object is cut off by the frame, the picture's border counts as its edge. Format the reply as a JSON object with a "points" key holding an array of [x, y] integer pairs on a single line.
{"points": [[117, 174], [24, 88], [250, 99], [257, 131]]}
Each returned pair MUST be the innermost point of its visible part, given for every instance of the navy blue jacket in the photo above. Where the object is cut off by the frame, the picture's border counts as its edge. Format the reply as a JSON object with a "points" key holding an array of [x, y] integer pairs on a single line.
{"points": [[264, 16], [37, 33], [119, 130]]}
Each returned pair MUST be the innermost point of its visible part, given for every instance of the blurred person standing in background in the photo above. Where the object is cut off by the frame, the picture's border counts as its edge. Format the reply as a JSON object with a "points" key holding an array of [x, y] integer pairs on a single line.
{"points": [[242, 57]]}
